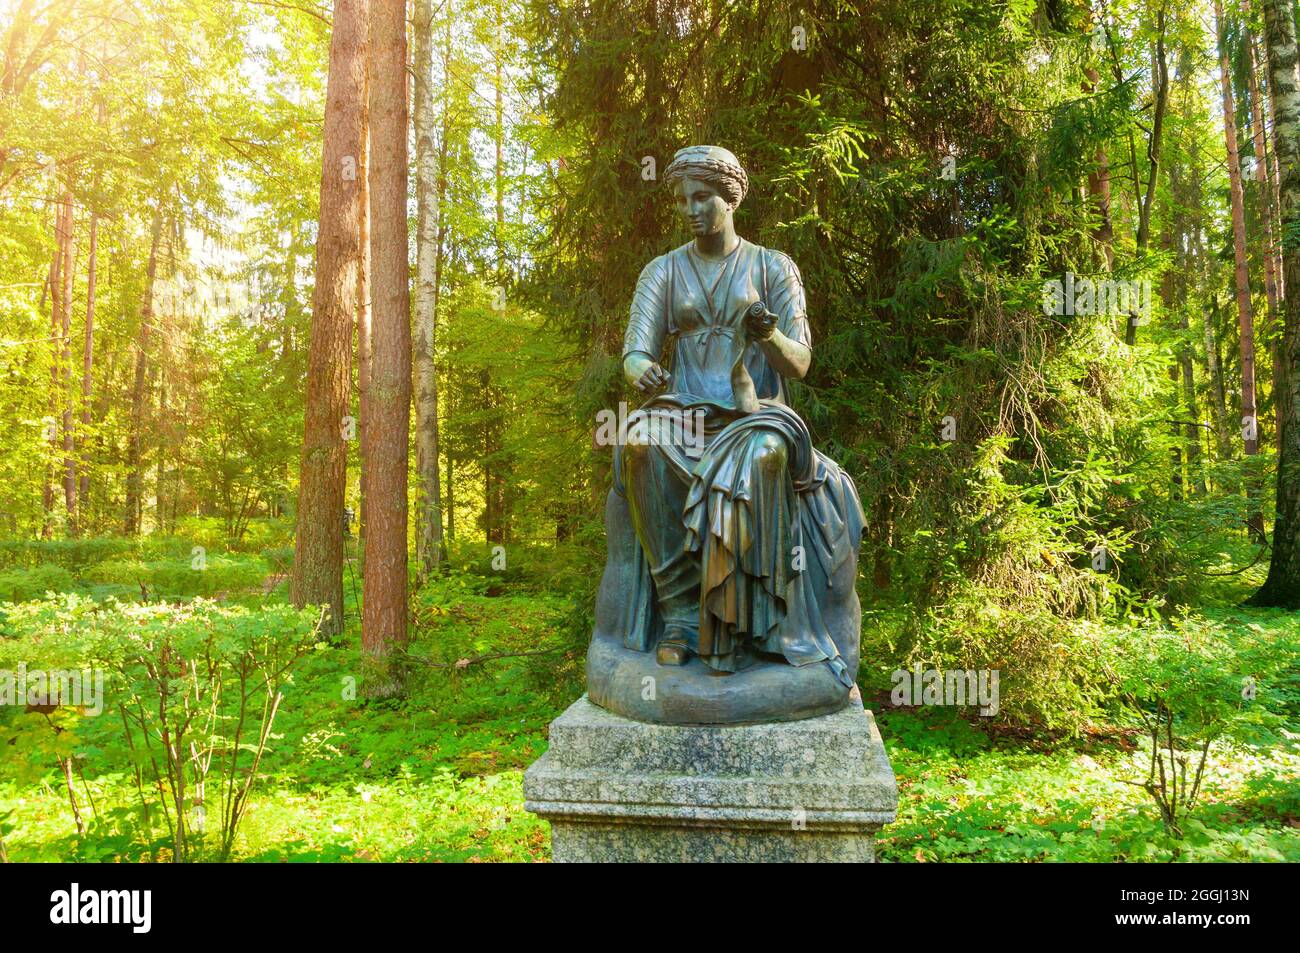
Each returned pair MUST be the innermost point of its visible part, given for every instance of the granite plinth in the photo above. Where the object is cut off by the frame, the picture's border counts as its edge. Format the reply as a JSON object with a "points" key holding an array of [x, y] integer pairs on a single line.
{"points": [[618, 790]]}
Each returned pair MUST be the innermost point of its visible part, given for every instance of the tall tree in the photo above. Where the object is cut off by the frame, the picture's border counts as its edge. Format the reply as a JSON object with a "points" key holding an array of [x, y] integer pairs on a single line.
{"points": [[135, 438], [67, 245], [318, 548], [1282, 586], [1155, 142], [162, 370], [55, 282], [363, 292], [1263, 179], [1259, 78], [428, 521], [384, 621], [496, 463], [1099, 190], [1245, 317], [444, 216], [1160, 81], [88, 354]]}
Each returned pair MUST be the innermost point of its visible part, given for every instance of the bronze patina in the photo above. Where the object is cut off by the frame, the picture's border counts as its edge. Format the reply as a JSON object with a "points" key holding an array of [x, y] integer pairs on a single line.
{"points": [[728, 594]]}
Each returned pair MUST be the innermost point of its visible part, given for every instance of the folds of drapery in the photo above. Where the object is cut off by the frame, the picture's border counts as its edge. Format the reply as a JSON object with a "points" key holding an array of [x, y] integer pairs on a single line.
{"points": [[768, 549]]}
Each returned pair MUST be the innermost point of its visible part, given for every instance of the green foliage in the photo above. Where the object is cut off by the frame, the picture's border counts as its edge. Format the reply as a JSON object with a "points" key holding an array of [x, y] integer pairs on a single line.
{"points": [[74, 555], [1195, 684], [965, 795], [20, 585], [182, 578], [929, 164], [197, 688], [437, 776]]}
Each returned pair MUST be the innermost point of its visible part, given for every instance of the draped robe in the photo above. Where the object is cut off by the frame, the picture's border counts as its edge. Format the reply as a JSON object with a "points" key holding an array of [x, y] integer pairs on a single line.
{"points": [[759, 544]]}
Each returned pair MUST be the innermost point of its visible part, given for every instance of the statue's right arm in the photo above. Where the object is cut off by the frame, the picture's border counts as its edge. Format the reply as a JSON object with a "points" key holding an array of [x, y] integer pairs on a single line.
{"points": [[647, 328]]}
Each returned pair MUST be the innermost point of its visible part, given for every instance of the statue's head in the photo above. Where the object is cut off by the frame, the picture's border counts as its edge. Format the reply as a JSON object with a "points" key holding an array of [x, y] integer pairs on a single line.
{"points": [[707, 183]]}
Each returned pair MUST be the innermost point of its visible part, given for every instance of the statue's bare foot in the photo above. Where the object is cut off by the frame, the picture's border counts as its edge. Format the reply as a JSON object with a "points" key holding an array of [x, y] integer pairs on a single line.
{"points": [[672, 653]]}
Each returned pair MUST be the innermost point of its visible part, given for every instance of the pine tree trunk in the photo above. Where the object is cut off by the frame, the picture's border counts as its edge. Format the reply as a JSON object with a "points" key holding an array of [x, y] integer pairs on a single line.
{"points": [[163, 369], [1282, 587], [363, 297], [88, 361], [384, 624], [1214, 372], [318, 552], [1245, 319], [1099, 191], [428, 530], [52, 404], [135, 439], [68, 276]]}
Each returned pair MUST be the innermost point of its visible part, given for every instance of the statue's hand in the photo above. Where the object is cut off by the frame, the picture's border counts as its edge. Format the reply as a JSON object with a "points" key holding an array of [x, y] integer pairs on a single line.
{"points": [[646, 375], [760, 324]]}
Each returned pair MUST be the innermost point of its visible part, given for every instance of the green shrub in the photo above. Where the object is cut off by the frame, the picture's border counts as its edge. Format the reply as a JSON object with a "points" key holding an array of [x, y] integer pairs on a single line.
{"points": [[279, 559], [195, 575], [1190, 685], [73, 555], [1047, 667], [196, 688], [520, 566], [19, 585]]}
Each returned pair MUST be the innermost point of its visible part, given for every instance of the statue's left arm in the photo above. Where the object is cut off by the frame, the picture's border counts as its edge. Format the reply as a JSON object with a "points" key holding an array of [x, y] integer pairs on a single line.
{"points": [[787, 344]]}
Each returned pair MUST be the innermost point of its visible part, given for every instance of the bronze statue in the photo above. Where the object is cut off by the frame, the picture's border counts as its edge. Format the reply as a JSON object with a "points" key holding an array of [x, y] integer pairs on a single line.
{"points": [[728, 595]]}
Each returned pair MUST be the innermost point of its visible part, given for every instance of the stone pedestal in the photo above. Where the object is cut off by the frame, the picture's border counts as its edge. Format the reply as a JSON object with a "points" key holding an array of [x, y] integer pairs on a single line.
{"points": [[617, 790]]}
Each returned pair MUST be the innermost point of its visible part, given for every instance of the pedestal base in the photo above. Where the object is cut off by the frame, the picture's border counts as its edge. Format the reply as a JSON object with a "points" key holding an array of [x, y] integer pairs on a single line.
{"points": [[694, 694], [617, 790]]}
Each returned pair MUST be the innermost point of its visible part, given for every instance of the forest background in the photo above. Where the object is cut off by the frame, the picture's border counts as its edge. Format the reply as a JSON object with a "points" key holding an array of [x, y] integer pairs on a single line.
{"points": [[307, 315]]}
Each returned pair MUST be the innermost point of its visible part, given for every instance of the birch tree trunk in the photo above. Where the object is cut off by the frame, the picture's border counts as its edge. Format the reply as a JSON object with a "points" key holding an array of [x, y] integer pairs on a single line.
{"points": [[441, 253], [163, 367], [58, 352], [1282, 587], [1264, 193], [428, 523], [495, 465]]}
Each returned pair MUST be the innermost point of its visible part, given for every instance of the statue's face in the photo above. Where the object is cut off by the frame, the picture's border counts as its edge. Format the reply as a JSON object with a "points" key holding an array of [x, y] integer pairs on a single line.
{"points": [[701, 205]]}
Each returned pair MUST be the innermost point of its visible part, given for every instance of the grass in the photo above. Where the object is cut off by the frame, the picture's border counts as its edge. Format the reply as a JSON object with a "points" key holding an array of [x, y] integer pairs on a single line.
{"points": [[438, 777], [967, 796]]}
